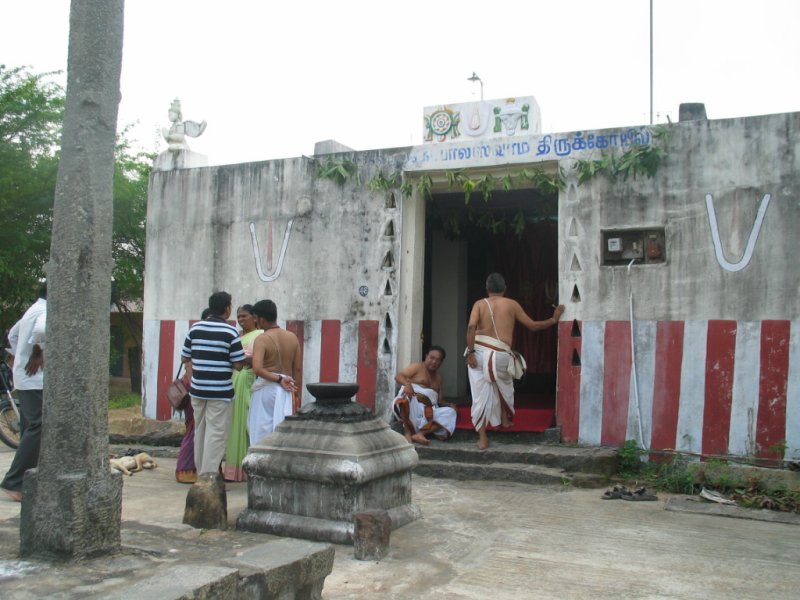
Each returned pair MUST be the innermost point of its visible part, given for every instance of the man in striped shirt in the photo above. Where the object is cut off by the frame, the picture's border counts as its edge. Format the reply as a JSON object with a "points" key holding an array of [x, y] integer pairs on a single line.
{"points": [[211, 350]]}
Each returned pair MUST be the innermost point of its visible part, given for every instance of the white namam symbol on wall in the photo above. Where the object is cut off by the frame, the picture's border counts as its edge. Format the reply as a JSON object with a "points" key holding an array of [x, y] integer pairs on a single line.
{"points": [[269, 274], [751, 241]]}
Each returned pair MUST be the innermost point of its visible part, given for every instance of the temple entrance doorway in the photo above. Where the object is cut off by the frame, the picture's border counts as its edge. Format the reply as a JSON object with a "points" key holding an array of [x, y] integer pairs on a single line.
{"points": [[514, 233]]}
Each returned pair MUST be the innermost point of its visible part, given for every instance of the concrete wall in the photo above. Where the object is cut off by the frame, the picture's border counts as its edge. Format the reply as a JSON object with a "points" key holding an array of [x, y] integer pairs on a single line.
{"points": [[449, 310], [274, 230], [710, 364], [714, 363], [737, 162]]}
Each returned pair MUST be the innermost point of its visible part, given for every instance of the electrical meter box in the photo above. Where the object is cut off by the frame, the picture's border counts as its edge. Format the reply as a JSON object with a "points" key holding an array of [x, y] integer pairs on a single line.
{"points": [[643, 246]]}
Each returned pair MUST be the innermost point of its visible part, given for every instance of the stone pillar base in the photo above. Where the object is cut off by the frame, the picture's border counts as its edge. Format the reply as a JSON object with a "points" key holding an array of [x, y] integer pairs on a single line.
{"points": [[371, 534], [207, 503], [71, 516]]}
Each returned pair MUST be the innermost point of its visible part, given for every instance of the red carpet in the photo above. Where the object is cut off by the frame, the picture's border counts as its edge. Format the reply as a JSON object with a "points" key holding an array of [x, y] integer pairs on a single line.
{"points": [[533, 413]]}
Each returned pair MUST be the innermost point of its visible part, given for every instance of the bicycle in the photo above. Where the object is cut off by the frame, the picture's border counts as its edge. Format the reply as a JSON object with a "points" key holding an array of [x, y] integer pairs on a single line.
{"points": [[9, 408]]}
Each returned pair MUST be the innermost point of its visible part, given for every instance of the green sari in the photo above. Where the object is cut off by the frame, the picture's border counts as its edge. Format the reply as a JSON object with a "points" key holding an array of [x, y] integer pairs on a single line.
{"points": [[238, 436]]}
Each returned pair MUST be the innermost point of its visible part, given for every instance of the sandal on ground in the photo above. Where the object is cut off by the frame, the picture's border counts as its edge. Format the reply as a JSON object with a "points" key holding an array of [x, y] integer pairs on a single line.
{"points": [[639, 494], [615, 493]]}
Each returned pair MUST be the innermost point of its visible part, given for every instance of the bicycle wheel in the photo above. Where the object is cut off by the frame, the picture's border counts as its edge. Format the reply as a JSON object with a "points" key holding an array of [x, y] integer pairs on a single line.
{"points": [[9, 425]]}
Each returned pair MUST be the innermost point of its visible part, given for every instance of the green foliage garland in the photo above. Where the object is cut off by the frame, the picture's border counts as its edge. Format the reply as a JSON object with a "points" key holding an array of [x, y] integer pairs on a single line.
{"points": [[338, 170], [640, 159]]}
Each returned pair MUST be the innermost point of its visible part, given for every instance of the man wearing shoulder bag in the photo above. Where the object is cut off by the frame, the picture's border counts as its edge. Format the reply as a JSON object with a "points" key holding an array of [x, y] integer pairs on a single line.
{"points": [[211, 351], [493, 365]]}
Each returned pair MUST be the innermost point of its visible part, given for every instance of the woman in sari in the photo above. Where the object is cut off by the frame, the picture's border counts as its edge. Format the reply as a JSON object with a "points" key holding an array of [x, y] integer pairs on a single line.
{"points": [[185, 470], [238, 437]]}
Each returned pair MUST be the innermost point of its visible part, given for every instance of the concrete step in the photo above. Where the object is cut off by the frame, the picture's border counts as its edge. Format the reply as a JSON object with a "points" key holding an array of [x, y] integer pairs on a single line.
{"points": [[518, 473], [524, 463], [599, 461]]}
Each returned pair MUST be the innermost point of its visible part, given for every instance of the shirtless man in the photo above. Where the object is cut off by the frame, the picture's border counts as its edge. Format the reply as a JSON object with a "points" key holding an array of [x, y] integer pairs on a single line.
{"points": [[489, 336], [419, 404], [277, 364]]}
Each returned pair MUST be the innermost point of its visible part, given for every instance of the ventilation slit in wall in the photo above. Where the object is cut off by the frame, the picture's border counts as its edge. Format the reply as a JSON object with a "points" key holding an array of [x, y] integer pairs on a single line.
{"points": [[390, 201], [576, 330], [576, 295], [388, 260], [386, 348], [576, 358], [573, 228], [389, 231], [387, 323], [387, 291], [576, 265]]}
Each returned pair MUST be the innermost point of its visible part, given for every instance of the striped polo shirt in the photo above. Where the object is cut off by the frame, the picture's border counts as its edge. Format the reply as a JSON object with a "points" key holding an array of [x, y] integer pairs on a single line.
{"points": [[213, 346]]}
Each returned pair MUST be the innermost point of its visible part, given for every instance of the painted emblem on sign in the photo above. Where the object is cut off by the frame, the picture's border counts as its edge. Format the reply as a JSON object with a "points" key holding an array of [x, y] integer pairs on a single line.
{"points": [[441, 123]]}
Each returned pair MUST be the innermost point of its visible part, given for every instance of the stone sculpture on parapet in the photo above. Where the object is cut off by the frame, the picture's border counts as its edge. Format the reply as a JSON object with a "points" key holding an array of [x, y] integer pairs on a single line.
{"points": [[177, 155]]}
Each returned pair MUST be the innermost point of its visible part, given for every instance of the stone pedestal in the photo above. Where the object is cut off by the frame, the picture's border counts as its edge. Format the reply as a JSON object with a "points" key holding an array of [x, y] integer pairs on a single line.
{"points": [[73, 516], [181, 159], [334, 459]]}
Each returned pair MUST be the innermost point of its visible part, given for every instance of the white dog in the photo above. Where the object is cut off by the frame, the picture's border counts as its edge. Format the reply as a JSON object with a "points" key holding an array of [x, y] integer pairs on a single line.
{"points": [[131, 464]]}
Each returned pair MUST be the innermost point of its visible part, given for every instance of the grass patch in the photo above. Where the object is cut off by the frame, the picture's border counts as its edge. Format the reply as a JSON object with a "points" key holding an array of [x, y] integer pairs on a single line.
{"points": [[680, 474], [124, 400], [121, 396]]}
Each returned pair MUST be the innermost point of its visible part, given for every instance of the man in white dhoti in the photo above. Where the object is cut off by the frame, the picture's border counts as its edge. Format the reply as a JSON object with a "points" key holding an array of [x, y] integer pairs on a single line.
{"points": [[277, 364], [419, 404], [492, 364]]}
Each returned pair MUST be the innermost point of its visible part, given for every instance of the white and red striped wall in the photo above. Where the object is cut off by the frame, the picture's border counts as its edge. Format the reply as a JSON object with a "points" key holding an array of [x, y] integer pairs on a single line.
{"points": [[333, 351], [715, 387]]}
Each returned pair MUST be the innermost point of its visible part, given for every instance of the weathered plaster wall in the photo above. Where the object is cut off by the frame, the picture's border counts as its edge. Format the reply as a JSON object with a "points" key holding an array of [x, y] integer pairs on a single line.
{"points": [[737, 162], [713, 365], [275, 230]]}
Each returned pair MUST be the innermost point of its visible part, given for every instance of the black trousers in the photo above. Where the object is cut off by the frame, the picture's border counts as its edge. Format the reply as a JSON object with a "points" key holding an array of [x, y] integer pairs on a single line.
{"points": [[27, 456]]}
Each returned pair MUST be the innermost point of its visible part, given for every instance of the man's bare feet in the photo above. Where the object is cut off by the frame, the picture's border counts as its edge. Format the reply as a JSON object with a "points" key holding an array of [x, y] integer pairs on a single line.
{"points": [[507, 425], [14, 495], [421, 439]]}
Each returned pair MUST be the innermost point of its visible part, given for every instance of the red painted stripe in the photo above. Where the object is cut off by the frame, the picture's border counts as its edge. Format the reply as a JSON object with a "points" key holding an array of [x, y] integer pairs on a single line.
{"points": [[329, 351], [771, 420], [568, 389], [667, 384], [720, 358], [298, 328], [166, 370], [616, 382], [367, 370]]}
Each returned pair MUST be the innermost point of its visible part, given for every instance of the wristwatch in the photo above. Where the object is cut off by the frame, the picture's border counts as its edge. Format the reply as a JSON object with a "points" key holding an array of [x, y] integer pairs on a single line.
{"points": [[280, 378]]}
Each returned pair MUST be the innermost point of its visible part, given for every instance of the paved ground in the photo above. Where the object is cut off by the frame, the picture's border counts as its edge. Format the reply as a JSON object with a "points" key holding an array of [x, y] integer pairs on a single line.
{"points": [[481, 540]]}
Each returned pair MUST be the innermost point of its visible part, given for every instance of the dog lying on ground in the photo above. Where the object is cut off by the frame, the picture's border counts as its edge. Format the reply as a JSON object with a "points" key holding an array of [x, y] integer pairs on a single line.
{"points": [[132, 464]]}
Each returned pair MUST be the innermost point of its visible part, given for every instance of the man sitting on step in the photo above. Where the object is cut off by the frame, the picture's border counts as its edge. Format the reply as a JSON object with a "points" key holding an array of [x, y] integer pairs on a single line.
{"points": [[418, 404]]}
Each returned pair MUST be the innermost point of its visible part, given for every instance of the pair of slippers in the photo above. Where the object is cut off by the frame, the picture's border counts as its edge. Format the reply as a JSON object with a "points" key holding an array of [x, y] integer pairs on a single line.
{"points": [[621, 492]]}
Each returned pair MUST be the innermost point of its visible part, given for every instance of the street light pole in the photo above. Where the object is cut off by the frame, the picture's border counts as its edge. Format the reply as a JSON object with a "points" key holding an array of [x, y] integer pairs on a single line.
{"points": [[475, 78], [651, 62]]}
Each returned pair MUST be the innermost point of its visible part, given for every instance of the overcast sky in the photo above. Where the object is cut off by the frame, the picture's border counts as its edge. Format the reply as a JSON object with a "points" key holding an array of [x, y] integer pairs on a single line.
{"points": [[272, 78]]}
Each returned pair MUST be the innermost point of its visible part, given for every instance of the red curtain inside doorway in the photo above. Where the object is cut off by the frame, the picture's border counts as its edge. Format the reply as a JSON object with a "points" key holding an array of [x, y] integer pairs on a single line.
{"points": [[530, 268]]}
